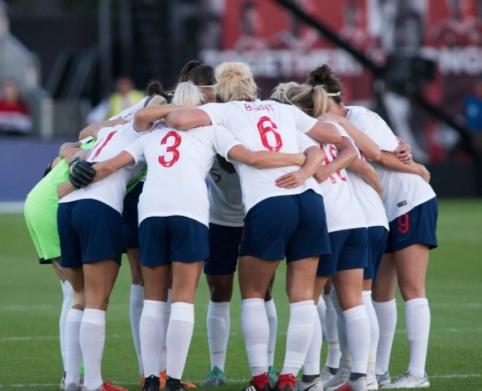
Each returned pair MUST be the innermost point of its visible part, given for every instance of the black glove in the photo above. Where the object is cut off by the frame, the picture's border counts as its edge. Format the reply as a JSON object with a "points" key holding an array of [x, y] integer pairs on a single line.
{"points": [[81, 173]]}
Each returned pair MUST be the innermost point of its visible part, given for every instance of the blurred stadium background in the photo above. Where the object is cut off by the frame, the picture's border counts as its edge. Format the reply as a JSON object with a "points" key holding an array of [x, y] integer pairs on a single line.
{"points": [[418, 63]]}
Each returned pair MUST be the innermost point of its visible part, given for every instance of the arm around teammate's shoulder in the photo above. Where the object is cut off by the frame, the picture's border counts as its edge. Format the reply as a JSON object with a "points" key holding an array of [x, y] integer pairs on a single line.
{"points": [[325, 133], [185, 119], [265, 159]]}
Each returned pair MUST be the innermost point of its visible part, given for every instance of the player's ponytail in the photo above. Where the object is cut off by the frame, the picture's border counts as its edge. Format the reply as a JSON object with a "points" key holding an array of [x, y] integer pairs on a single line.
{"points": [[156, 94], [187, 94], [234, 83], [312, 100]]}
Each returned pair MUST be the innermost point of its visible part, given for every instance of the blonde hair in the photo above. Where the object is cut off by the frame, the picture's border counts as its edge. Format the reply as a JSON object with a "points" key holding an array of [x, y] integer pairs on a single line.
{"points": [[279, 92], [157, 100], [187, 94], [234, 82], [312, 100]]}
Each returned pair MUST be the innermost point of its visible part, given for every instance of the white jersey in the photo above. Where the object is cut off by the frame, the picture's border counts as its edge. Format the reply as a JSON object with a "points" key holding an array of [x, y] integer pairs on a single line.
{"points": [[178, 163], [265, 125], [110, 190], [225, 197], [401, 192], [341, 206]]}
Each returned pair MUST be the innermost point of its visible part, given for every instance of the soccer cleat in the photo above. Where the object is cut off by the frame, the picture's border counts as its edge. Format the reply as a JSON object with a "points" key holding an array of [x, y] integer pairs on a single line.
{"points": [[62, 383], [383, 379], [285, 382], [72, 387], [407, 380], [162, 379], [106, 386], [354, 385], [272, 376], [151, 383], [372, 384], [315, 385], [327, 373], [337, 380], [215, 378], [259, 383], [174, 385]]}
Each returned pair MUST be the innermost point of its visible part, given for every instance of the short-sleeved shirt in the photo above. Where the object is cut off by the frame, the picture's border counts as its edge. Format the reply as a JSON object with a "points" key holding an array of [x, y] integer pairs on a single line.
{"points": [[45, 192], [341, 206], [265, 125], [178, 163], [402, 192], [112, 189], [225, 197]]}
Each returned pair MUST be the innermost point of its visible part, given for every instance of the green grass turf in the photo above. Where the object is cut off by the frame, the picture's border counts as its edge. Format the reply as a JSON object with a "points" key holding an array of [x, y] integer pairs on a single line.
{"points": [[30, 299]]}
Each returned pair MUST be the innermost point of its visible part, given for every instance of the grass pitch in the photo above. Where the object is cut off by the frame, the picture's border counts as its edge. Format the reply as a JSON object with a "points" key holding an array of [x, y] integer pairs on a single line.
{"points": [[30, 299]]}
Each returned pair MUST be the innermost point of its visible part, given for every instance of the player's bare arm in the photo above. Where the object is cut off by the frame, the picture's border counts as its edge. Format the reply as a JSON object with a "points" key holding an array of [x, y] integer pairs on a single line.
{"points": [[325, 133], [366, 145], [145, 118], [314, 159], [347, 154], [266, 159], [368, 174], [186, 119], [93, 129], [390, 160]]}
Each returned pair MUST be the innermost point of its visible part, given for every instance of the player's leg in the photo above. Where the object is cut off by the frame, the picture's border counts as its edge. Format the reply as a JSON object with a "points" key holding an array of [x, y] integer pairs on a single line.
{"points": [[377, 237], [383, 291], [411, 264], [273, 330], [333, 356], [219, 269], [306, 244], [99, 279], [311, 378], [188, 247]]}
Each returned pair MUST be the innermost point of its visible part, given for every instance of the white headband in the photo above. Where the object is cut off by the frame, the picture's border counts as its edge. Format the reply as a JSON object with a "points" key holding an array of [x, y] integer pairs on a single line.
{"points": [[333, 93]]}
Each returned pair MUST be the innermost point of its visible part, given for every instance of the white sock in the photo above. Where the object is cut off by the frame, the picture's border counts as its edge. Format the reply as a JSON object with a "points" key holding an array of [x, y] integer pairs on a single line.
{"points": [[387, 320], [167, 316], [358, 336], [331, 334], [218, 324], [417, 317], [92, 341], [312, 361], [345, 356], [135, 311], [273, 329], [255, 326], [321, 309], [73, 354], [68, 296], [374, 331], [300, 332], [178, 337], [152, 335]]}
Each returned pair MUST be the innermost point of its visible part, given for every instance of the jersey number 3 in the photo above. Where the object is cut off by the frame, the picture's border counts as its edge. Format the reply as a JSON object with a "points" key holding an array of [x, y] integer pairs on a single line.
{"points": [[173, 141], [265, 127]]}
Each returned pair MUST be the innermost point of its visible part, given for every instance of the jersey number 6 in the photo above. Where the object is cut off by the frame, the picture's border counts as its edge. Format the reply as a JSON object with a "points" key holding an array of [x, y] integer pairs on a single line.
{"points": [[174, 141], [265, 127]]}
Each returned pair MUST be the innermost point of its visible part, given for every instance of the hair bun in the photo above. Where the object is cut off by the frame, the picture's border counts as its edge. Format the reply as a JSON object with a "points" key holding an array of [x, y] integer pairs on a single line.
{"points": [[319, 75], [154, 88], [233, 71]]}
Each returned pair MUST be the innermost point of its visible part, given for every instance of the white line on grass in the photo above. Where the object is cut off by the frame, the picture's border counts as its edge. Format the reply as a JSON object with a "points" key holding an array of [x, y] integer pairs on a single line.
{"points": [[233, 381]]}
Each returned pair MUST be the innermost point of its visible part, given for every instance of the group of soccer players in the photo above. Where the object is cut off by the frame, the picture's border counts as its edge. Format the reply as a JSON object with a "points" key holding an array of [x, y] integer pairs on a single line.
{"points": [[289, 178]]}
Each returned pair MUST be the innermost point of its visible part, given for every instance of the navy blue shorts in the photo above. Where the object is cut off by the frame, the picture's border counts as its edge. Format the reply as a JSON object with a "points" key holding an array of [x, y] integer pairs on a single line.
{"points": [[169, 239], [292, 225], [89, 231], [348, 251], [418, 226], [224, 244], [377, 240], [130, 230]]}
